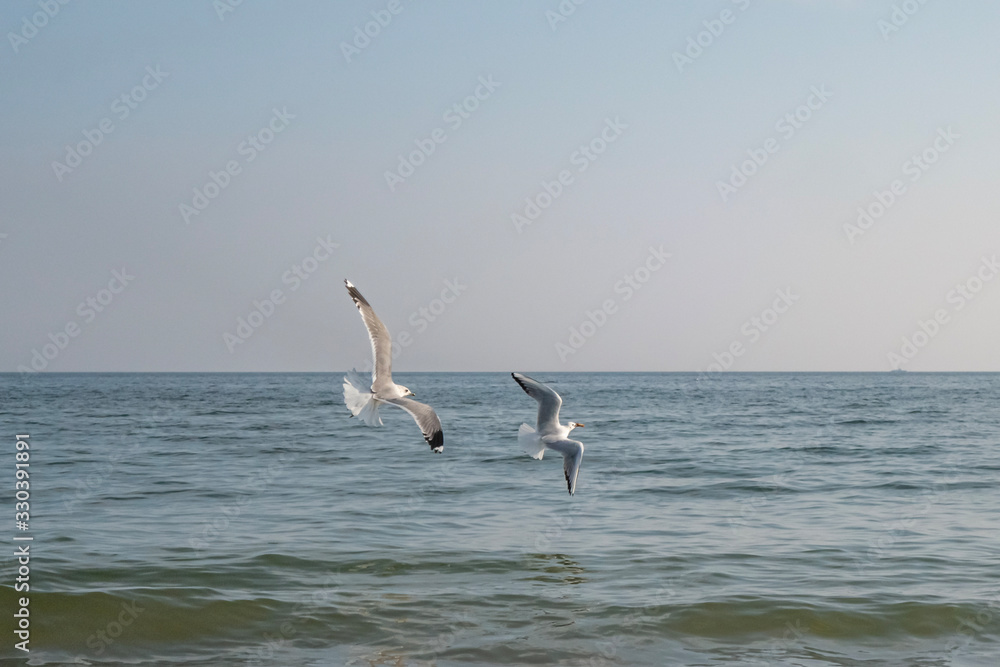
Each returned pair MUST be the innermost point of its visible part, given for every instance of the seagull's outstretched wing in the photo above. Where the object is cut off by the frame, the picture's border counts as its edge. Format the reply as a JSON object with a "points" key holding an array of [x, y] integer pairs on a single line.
{"points": [[572, 451], [379, 335], [426, 419], [548, 400]]}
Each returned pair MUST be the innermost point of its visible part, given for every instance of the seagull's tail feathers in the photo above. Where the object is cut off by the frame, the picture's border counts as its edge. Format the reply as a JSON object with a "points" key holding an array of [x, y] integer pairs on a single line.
{"points": [[531, 442], [360, 400]]}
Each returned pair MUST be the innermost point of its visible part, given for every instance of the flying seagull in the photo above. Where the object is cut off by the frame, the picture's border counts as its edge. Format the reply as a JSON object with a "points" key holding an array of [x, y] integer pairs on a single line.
{"points": [[364, 400], [550, 434]]}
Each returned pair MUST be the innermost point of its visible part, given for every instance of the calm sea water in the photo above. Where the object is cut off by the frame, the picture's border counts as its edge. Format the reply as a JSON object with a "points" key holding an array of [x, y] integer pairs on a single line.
{"points": [[747, 519]]}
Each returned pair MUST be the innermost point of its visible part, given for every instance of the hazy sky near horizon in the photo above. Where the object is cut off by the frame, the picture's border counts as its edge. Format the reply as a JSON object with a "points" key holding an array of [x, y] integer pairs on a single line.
{"points": [[503, 183]]}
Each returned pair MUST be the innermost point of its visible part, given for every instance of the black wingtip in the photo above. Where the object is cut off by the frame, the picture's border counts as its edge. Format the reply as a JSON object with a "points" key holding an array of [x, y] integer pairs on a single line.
{"points": [[436, 441], [569, 484]]}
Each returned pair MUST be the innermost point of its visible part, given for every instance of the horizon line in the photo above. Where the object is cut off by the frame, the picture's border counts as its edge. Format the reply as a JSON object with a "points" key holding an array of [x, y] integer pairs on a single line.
{"points": [[334, 372]]}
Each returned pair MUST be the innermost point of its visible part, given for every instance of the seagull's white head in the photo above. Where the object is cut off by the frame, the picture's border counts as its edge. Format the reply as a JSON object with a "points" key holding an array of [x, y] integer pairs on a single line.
{"points": [[573, 425], [406, 392]]}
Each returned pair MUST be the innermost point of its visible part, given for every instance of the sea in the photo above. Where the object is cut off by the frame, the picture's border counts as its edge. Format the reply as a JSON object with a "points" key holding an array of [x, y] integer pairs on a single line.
{"points": [[806, 519]]}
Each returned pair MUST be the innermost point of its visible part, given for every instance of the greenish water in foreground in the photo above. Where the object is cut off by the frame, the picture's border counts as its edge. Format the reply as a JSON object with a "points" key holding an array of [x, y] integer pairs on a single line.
{"points": [[744, 519]]}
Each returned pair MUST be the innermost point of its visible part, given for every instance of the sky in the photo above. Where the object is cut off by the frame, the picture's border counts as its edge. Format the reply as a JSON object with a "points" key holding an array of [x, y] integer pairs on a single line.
{"points": [[726, 185]]}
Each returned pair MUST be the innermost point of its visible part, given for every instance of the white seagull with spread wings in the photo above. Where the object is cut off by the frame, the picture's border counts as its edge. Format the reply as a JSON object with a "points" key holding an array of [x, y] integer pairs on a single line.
{"points": [[364, 401], [550, 434]]}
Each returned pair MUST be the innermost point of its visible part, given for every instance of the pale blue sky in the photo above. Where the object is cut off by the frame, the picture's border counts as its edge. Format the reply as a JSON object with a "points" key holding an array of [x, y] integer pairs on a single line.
{"points": [[344, 124]]}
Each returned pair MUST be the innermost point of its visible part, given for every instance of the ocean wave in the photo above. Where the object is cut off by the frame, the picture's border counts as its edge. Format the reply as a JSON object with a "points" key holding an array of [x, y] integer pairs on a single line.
{"points": [[210, 618]]}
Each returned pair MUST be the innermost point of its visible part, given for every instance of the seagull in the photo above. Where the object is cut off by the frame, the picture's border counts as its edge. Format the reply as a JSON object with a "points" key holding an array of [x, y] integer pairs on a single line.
{"points": [[363, 400], [551, 434]]}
